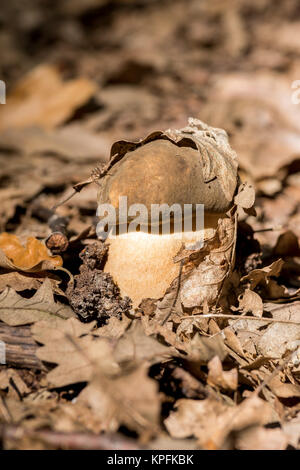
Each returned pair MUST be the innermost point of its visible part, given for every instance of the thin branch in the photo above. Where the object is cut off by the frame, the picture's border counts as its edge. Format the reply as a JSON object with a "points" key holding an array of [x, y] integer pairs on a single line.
{"points": [[276, 371], [85, 441]]}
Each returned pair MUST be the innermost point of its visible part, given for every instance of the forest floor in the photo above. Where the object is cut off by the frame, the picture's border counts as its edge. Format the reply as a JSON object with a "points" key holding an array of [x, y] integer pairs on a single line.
{"points": [[81, 76]]}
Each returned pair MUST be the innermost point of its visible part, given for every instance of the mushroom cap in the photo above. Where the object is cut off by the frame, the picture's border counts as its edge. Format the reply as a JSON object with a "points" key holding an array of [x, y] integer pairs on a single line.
{"points": [[161, 172]]}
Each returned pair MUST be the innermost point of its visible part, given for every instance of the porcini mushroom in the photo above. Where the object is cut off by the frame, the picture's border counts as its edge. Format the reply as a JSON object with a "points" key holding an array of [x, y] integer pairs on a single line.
{"points": [[194, 167]]}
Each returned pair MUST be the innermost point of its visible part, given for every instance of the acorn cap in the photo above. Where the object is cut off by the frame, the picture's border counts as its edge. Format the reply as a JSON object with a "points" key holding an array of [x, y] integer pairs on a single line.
{"points": [[161, 172]]}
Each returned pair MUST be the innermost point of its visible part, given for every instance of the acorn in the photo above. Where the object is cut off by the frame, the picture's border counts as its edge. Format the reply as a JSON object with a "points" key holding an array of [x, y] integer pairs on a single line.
{"points": [[193, 167]]}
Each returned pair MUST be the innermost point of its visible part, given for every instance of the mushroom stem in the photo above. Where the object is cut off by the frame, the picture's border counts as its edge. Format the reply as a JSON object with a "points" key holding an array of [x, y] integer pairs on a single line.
{"points": [[142, 263]]}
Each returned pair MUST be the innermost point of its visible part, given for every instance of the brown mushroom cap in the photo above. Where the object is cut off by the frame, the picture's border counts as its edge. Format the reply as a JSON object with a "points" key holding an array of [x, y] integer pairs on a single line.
{"points": [[160, 172]]}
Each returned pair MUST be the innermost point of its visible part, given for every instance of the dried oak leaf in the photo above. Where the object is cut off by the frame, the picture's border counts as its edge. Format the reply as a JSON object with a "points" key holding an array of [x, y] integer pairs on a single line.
{"points": [[202, 349], [227, 380], [114, 328], [114, 396], [271, 340], [20, 281], [16, 310], [245, 198], [211, 421], [251, 302], [292, 431], [263, 275], [73, 142], [11, 382], [77, 352], [278, 338], [33, 257], [130, 399], [284, 390], [263, 278], [212, 264], [153, 327], [259, 438], [43, 410], [43, 99], [136, 346]]}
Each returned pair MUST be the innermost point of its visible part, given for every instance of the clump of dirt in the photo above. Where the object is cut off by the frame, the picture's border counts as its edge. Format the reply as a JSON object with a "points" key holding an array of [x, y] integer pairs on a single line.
{"points": [[94, 295]]}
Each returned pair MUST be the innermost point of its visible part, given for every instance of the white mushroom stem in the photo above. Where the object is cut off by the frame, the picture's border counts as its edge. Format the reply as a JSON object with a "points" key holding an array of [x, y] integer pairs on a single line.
{"points": [[142, 263]]}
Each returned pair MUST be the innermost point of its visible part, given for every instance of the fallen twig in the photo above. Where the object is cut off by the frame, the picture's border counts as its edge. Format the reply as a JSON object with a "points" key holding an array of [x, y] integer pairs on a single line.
{"points": [[74, 440], [240, 317], [20, 347]]}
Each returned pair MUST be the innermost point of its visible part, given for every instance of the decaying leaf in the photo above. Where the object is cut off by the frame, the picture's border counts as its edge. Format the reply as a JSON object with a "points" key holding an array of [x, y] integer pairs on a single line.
{"points": [[11, 380], [130, 399], [32, 257], [71, 142], [78, 354], [259, 438], [263, 275], [204, 283], [251, 302], [136, 346], [245, 198], [221, 378], [20, 281], [83, 357], [284, 390], [201, 349], [17, 310], [273, 339], [114, 328]]}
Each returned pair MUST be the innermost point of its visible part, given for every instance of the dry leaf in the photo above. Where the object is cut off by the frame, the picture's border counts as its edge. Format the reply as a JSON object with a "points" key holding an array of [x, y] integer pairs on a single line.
{"points": [[43, 99], [84, 357], [259, 438], [269, 137], [11, 380], [291, 429], [279, 337], [77, 353], [19, 281], [54, 332], [202, 349], [131, 399], [220, 378], [284, 390], [136, 346], [16, 310], [233, 342], [71, 142], [251, 302], [114, 328], [211, 421], [245, 197], [31, 257], [271, 340], [258, 276], [203, 284]]}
